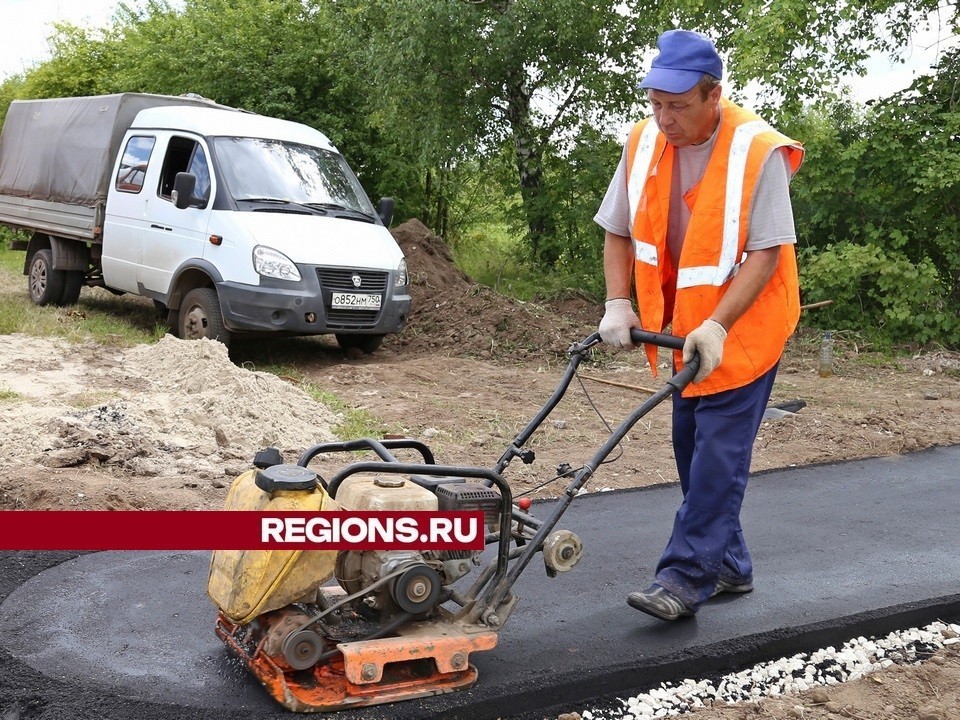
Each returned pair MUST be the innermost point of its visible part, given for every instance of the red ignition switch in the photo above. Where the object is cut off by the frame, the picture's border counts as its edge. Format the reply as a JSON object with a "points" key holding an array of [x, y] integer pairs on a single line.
{"points": [[524, 503]]}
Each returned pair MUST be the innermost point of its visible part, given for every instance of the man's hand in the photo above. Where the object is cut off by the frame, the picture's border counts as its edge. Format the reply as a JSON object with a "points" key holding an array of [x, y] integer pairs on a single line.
{"points": [[617, 321], [708, 340]]}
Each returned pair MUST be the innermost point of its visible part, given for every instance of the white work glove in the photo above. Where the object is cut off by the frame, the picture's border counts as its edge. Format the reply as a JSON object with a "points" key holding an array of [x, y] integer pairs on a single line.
{"points": [[708, 340], [617, 320]]}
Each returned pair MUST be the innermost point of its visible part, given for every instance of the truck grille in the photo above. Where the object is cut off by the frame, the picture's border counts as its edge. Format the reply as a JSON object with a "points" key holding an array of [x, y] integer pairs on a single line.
{"points": [[341, 280]]}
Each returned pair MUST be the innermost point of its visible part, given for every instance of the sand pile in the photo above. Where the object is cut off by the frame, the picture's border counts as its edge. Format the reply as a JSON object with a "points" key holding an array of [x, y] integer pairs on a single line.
{"points": [[173, 408]]}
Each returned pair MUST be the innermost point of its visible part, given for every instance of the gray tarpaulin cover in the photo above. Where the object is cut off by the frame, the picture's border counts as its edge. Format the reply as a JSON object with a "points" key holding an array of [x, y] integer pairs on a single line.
{"points": [[63, 149]]}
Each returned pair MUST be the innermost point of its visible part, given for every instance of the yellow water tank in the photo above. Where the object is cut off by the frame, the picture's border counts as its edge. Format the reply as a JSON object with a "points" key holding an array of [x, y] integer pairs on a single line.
{"points": [[248, 583]]}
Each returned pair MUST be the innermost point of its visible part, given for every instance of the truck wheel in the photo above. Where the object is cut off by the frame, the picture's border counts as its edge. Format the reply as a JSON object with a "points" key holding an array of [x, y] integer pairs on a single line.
{"points": [[200, 317], [72, 283], [366, 343], [46, 284]]}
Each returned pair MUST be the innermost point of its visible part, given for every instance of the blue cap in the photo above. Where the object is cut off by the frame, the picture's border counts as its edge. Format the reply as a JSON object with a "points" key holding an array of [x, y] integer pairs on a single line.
{"points": [[684, 58]]}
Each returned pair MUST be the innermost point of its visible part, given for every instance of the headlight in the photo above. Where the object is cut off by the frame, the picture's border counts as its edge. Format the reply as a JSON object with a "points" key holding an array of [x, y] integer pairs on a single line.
{"points": [[270, 263], [402, 273]]}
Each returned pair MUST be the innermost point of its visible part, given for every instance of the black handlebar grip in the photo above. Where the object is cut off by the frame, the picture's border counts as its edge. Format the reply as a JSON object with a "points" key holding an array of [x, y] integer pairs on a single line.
{"points": [[673, 342]]}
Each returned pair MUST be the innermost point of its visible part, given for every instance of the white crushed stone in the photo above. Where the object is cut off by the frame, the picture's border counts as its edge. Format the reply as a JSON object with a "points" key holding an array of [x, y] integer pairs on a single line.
{"points": [[828, 666], [173, 407]]}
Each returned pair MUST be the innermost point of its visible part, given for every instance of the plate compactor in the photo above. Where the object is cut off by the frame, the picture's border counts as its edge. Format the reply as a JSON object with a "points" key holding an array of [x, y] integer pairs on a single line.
{"points": [[393, 626]]}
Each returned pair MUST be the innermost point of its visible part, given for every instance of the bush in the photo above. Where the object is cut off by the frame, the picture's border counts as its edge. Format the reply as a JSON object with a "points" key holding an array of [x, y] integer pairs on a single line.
{"points": [[879, 293]]}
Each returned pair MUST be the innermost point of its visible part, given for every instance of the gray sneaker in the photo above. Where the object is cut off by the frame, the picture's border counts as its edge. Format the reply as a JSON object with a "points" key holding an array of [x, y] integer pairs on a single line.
{"points": [[727, 586], [659, 602]]}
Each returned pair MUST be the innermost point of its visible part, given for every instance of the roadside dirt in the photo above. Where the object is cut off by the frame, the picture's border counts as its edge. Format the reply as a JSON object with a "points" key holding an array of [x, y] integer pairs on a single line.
{"points": [[170, 426]]}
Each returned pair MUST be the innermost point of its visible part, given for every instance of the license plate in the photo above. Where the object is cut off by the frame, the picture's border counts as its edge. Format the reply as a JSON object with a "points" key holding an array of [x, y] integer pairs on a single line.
{"points": [[341, 301]]}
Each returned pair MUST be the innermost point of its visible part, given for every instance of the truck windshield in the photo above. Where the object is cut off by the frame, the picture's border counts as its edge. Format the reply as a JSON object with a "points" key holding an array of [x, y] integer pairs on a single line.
{"points": [[260, 169]]}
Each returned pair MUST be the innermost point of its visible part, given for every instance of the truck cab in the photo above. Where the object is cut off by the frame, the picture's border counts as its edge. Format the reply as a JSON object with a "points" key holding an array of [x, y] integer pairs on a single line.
{"points": [[240, 223]]}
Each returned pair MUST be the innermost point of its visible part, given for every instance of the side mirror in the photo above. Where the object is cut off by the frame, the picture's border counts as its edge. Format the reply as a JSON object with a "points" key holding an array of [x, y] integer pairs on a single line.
{"points": [[183, 186], [385, 210]]}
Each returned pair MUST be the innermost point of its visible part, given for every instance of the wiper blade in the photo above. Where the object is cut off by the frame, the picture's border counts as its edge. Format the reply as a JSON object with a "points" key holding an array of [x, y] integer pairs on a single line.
{"points": [[307, 207], [340, 209], [328, 205]]}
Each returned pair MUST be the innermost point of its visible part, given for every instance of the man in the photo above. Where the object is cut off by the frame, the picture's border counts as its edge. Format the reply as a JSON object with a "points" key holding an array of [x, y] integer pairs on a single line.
{"points": [[698, 215]]}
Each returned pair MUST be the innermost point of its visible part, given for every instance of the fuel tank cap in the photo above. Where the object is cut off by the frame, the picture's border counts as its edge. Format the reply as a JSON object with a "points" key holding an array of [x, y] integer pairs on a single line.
{"points": [[285, 477], [389, 482]]}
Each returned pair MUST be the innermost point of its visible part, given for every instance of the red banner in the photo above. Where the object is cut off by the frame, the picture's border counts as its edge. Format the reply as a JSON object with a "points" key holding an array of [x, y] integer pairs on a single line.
{"points": [[239, 530]]}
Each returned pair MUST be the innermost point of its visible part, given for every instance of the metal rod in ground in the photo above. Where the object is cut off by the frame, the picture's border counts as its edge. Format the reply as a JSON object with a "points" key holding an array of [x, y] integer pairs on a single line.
{"points": [[619, 384]]}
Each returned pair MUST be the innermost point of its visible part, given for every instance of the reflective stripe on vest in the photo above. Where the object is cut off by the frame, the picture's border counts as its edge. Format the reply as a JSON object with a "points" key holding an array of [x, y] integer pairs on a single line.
{"points": [[736, 172], [645, 252]]}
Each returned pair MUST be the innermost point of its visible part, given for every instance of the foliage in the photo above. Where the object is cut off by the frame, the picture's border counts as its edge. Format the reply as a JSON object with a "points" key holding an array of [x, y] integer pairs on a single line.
{"points": [[10, 90], [879, 293], [878, 211], [83, 63], [274, 57], [798, 49], [462, 80]]}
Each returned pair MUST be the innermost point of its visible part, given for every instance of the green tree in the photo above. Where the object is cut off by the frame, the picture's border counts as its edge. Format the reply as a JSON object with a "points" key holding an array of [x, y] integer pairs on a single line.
{"points": [[10, 90], [275, 57], [459, 78], [83, 62], [878, 211]]}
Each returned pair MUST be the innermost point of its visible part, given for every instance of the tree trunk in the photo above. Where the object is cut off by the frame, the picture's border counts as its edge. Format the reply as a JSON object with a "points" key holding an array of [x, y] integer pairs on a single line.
{"points": [[528, 152]]}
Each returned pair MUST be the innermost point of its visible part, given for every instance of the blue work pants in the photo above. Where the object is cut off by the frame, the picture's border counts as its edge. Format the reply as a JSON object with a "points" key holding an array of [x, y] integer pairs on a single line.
{"points": [[713, 440]]}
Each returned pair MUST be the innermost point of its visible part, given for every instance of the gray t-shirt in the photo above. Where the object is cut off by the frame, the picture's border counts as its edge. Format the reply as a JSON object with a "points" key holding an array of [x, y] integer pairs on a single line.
{"points": [[771, 214]]}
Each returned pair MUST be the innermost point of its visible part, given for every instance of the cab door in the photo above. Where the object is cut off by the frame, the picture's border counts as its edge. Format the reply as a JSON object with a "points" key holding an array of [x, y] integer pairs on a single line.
{"points": [[175, 235], [126, 219]]}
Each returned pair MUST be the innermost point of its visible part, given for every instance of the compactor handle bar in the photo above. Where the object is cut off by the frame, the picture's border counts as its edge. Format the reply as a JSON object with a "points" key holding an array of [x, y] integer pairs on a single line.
{"points": [[674, 342], [487, 596], [578, 352], [500, 587], [645, 337]]}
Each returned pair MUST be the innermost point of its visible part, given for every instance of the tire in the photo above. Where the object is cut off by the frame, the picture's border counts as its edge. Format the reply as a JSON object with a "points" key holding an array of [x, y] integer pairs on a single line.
{"points": [[201, 317], [365, 343], [72, 284], [45, 284]]}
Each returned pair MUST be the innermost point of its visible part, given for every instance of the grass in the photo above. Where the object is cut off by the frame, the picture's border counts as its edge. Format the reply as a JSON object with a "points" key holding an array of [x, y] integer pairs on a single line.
{"points": [[488, 253], [352, 422], [93, 398], [99, 315], [11, 260], [493, 255], [355, 423], [7, 395]]}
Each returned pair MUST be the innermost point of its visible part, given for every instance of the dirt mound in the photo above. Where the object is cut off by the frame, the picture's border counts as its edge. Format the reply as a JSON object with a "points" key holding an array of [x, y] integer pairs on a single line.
{"points": [[429, 261], [451, 314]]}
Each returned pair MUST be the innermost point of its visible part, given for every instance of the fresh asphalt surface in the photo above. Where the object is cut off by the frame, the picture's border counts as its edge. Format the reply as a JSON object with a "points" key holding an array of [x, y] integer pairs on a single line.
{"points": [[856, 548]]}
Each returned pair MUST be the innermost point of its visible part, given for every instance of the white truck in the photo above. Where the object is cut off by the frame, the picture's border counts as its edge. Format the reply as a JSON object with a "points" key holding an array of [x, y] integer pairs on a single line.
{"points": [[230, 221]]}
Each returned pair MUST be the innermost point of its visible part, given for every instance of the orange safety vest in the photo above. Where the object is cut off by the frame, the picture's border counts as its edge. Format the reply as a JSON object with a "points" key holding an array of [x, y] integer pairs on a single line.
{"points": [[712, 247]]}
